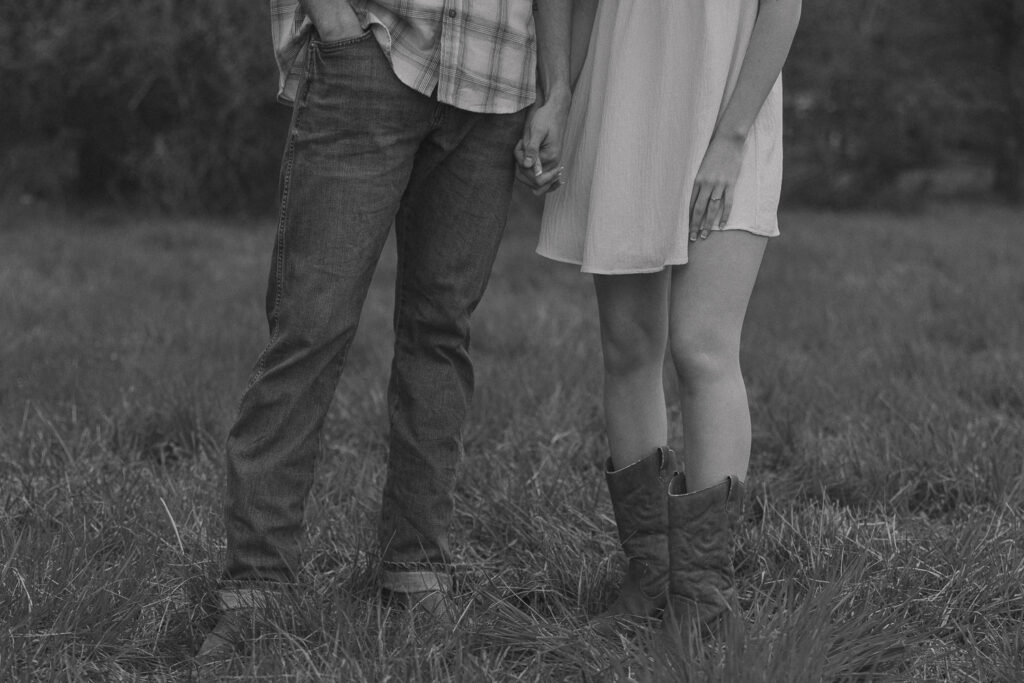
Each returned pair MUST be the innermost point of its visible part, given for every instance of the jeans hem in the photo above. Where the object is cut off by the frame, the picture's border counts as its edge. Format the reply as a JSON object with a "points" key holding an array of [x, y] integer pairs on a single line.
{"points": [[251, 595], [415, 581]]}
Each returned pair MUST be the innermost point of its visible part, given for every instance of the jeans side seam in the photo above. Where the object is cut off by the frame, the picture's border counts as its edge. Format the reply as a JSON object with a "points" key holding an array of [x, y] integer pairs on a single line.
{"points": [[283, 220], [401, 281], [261, 364]]}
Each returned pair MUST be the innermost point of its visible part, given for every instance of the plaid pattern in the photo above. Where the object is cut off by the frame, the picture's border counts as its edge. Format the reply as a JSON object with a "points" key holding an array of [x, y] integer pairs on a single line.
{"points": [[480, 55]]}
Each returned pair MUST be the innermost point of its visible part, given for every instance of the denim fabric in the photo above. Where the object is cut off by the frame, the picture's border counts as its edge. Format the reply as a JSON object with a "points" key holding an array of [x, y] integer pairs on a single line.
{"points": [[364, 150]]}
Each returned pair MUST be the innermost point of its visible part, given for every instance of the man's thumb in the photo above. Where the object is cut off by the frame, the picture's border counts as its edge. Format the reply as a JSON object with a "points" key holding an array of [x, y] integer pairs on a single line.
{"points": [[532, 159], [531, 155]]}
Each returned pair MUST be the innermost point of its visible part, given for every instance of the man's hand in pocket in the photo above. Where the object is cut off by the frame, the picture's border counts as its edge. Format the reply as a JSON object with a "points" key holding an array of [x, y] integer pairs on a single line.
{"points": [[334, 19]]}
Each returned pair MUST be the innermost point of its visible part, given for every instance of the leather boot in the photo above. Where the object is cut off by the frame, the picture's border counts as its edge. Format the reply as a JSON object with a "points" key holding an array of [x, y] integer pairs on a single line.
{"points": [[638, 499], [701, 541], [238, 608]]}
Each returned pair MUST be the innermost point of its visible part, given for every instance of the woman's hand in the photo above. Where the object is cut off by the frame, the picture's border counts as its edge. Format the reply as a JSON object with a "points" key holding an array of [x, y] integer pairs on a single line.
{"points": [[712, 197], [769, 44], [539, 152]]}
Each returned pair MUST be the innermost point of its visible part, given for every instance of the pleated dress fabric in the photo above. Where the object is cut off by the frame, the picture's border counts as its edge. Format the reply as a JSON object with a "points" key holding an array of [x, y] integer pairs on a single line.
{"points": [[657, 76]]}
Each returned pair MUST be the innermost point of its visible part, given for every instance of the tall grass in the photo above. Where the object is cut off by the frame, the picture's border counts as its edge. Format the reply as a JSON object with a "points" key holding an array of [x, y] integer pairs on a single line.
{"points": [[884, 362]]}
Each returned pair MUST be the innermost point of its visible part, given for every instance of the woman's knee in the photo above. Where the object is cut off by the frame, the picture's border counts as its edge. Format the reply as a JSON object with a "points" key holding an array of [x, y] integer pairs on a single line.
{"points": [[704, 356], [632, 343], [634, 320]]}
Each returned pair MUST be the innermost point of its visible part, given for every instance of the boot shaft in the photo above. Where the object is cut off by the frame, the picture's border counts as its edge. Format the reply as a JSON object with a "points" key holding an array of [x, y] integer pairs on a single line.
{"points": [[638, 493], [701, 537], [638, 496]]}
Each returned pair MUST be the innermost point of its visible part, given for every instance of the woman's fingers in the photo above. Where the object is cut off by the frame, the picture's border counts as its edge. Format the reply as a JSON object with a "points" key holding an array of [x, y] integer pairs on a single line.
{"points": [[726, 208], [542, 183], [698, 208], [549, 180], [713, 215], [710, 205]]}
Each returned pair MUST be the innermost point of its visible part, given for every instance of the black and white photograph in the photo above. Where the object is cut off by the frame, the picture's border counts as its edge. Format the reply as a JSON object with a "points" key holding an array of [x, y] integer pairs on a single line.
{"points": [[512, 340]]}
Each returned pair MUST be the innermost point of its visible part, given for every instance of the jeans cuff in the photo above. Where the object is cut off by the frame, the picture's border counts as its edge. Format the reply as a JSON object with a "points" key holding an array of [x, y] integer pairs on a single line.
{"points": [[404, 581], [246, 597]]}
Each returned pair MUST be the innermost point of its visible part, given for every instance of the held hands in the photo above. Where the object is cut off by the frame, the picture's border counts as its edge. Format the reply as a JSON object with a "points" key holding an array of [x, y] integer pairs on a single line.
{"points": [[539, 152], [712, 197]]}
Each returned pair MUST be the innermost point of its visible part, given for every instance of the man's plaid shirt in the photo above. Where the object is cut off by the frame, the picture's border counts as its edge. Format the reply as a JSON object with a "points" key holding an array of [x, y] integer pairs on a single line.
{"points": [[479, 54]]}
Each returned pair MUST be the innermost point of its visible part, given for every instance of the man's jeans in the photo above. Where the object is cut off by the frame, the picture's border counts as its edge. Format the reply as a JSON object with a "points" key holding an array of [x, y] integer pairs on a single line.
{"points": [[364, 150]]}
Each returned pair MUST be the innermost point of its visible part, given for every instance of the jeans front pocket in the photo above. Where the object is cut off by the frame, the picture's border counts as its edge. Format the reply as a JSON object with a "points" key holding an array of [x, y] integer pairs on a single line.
{"points": [[327, 48]]}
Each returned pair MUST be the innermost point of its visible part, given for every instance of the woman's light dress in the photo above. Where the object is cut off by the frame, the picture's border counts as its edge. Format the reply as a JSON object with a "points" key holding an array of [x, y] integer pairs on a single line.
{"points": [[657, 76]]}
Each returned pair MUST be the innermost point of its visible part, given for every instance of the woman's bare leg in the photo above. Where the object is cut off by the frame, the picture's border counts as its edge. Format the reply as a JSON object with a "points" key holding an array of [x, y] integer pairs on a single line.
{"points": [[634, 334], [708, 302]]}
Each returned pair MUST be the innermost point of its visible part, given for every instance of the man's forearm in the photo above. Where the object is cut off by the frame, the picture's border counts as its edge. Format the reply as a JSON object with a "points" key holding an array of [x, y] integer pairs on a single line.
{"points": [[554, 20]]}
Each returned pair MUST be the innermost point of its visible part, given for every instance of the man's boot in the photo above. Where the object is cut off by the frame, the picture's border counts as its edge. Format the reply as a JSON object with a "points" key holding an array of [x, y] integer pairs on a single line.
{"points": [[701, 541], [237, 611], [638, 494]]}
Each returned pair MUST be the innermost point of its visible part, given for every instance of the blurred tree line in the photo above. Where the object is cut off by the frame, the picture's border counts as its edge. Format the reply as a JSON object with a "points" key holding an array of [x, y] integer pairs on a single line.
{"points": [[878, 88], [167, 102], [171, 102]]}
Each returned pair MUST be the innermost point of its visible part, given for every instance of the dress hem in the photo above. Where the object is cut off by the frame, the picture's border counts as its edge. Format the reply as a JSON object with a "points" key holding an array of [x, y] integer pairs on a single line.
{"points": [[602, 271], [642, 270]]}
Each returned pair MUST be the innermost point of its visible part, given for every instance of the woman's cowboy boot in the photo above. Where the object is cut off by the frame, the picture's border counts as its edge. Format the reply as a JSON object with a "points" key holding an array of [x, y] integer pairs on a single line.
{"points": [[701, 541], [638, 499]]}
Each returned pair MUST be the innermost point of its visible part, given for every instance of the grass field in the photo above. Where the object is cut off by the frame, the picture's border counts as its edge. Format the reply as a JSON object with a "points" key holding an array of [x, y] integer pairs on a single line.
{"points": [[885, 365]]}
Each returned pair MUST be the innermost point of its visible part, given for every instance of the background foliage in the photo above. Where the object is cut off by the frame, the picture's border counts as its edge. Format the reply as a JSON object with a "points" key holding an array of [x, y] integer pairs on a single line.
{"points": [[171, 102], [880, 88]]}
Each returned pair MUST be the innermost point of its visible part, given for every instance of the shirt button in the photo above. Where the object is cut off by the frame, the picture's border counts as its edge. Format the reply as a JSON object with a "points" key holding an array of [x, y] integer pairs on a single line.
{"points": [[452, 13]]}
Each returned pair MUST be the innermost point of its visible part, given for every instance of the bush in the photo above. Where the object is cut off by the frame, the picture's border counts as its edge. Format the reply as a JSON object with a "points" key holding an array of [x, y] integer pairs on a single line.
{"points": [[876, 89], [170, 102]]}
